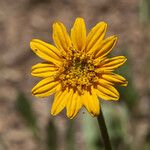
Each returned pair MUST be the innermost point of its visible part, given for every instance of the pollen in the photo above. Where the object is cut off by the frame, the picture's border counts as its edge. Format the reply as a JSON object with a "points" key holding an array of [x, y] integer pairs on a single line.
{"points": [[78, 73]]}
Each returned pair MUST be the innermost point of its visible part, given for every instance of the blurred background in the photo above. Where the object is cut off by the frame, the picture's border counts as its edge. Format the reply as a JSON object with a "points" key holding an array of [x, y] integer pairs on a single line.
{"points": [[25, 121]]}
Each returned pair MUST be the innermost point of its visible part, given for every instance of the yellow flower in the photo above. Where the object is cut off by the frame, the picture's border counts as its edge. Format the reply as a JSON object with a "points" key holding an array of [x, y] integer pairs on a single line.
{"points": [[77, 69]]}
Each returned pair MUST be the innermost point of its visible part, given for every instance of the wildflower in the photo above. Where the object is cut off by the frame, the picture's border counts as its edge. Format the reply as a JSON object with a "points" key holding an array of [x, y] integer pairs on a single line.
{"points": [[77, 69]]}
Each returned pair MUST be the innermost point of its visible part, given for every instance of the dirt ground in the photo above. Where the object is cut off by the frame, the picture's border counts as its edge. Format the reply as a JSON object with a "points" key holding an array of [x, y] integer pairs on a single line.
{"points": [[22, 20]]}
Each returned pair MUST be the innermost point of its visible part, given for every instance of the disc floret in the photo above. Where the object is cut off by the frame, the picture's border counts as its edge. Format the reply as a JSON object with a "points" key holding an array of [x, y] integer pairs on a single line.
{"points": [[78, 73]]}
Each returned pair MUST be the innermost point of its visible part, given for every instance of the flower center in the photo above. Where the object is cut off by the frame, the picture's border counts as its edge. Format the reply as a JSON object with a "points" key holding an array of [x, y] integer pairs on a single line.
{"points": [[78, 73]]}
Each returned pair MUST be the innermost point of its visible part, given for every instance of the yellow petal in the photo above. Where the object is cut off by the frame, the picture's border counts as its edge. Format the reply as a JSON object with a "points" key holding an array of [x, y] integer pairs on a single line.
{"points": [[102, 95], [46, 51], [105, 47], [115, 78], [73, 105], [61, 37], [78, 34], [95, 36], [91, 102], [46, 87], [111, 63], [107, 92], [59, 103], [104, 81], [44, 70], [78, 106]]}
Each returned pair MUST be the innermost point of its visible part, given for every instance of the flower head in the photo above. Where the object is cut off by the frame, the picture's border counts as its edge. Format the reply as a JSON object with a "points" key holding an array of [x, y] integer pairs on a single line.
{"points": [[77, 69]]}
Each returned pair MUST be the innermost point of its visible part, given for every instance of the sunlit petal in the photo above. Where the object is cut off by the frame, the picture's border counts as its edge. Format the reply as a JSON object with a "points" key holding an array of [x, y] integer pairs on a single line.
{"points": [[105, 47], [107, 92], [91, 102], [78, 34], [46, 51], [61, 37], [115, 78], [95, 37], [44, 70], [46, 87], [60, 101], [111, 63], [73, 105]]}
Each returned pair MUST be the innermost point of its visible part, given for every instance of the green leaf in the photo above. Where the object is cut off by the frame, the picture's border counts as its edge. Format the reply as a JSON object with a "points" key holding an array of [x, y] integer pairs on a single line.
{"points": [[116, 118], [128, 94], [24, 108], [144, 11], [70, 135], [52, 138], [91, 133]]}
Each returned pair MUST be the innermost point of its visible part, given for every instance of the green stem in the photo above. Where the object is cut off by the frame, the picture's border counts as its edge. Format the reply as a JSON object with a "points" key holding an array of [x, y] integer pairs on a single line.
{"points": [[104, 132]]}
